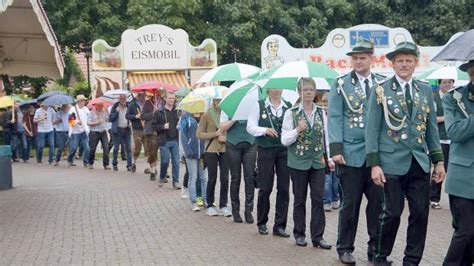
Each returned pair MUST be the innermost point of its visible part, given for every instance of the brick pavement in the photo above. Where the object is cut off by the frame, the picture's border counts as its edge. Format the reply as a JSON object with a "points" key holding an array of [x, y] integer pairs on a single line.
{"points": [[80, 216]]}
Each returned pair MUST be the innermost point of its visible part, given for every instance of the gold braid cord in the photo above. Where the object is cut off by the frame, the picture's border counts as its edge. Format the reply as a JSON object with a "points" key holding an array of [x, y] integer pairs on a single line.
{"points": [[340, 90], [381, 99]]}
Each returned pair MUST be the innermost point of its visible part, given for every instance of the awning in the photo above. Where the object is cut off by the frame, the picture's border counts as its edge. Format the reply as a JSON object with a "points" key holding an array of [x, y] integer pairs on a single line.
{"points": [[28, 45], [173, 77]]}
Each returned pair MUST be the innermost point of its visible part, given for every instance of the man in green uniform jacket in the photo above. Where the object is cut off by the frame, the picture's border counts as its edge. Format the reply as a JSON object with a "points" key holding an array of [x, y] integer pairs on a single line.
{"points": [[403, 134], [459, 120]]}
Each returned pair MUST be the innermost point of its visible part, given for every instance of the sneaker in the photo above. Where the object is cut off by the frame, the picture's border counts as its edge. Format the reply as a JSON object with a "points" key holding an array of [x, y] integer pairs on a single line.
{"points": [[200, 202], [327, 207], [25, 161], [212, 212], [225, 212], [106, 167], [435, 205], [56, 163], [153, 176], [91, 166], [335, 205], [147, 171], [184, 193], [134, 168], [129, 169], [86, 165], [176, 186], [160, 183], [115, 168], [195, 207], [164, 180], [71, 164]]}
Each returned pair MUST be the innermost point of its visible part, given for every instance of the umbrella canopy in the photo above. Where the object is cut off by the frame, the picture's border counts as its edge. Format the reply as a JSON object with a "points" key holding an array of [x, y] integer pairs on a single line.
{"points": [[6, 101], [199, 100], [228, 72], [112, 96], [95, 101], [183, 91], [460, 49], [43, 96], [28, 45], [57, 100], [27, 103], [153, 86], [286, 76], [244, 94], [448, 72]]}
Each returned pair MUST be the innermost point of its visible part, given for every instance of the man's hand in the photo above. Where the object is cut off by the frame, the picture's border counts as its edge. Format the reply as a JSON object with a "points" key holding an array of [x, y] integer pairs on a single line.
{"points": [[332, 166], [438, 173], [166, 126], [378, 176], [117, 108], [301, 126], [339, 159], [138, 116], [271, 133]]}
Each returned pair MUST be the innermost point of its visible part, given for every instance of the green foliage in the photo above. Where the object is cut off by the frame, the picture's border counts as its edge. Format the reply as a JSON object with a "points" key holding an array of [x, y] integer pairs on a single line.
{"points": [[71, 69], [240, 26], [79, 88]]}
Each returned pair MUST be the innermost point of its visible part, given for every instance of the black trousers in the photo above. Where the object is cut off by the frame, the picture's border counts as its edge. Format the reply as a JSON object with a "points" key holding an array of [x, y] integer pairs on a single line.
{"points": [[243, 155], [356, 182], [186, 173], [461, 250], [94, 138], [214, 159], [315, 179], [435, 188], [415, 186], [270, 161]]}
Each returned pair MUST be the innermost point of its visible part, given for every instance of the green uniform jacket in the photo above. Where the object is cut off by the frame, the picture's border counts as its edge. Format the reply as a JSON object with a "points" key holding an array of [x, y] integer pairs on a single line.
{"points": [[417, 136], [460, 178], [439, 112], [346, 129]]}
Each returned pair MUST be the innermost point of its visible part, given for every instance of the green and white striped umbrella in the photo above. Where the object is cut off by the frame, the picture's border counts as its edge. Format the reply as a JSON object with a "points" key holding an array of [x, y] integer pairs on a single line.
{"points": [[228, 72], [243, 95], [447, 72], [286, 76]]}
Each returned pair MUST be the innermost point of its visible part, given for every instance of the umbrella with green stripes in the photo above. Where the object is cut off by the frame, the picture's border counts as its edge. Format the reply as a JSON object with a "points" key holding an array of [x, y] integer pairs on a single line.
{"points": [[447, 72], [286, 76], [228, 72]]}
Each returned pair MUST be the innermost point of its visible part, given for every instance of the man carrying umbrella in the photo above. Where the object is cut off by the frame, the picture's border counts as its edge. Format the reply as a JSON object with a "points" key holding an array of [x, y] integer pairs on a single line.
{"points": [[44, 119], [79, 132], [401, 124], [347, 117], [459, 120], [265, 122], [61, 123], [134, 114]]}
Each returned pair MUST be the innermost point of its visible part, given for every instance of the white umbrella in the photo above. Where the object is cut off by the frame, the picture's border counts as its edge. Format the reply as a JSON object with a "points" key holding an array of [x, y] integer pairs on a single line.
{"points": [[28, 45], [448, 72], [228, 72], [113, 95]]}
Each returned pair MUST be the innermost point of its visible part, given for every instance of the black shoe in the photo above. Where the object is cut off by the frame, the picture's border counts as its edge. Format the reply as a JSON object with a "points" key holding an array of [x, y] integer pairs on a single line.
{"points": [[322, 244], [134, 168], [153, 176], [124, 158], [237, 218], [248, 217], [347, 258], [281, 232], [147, 171], [115, 168], [263, 230], [382, 262], [129, 168], [167, 176], [301, 242]]}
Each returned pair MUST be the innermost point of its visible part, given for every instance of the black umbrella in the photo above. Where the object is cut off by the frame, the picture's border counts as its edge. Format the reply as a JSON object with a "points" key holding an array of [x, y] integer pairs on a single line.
{"points": [[57, 100], [49, 94], [27, 103], [460, 49]]}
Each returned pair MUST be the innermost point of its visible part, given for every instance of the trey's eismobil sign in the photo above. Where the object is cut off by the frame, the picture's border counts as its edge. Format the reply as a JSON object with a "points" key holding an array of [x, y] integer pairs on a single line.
{"points": [[155, 47]]}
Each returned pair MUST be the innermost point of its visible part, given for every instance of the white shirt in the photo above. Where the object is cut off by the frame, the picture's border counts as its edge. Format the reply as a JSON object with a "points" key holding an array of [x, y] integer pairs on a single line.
{"points": [[44, 125], [82, 115], [362, 81], [254, 116], [403, 82], [289, 133]]}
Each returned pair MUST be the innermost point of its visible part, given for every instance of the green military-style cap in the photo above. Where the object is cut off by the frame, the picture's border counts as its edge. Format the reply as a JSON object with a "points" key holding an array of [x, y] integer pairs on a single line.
{"points": [[464, 67], [362, 46], [404, 48]]}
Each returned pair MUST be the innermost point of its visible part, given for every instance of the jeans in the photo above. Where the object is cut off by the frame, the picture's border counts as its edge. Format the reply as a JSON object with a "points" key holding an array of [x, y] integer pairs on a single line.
{"points": [[196, 172], [30, 143], [75, 141], [41, 139], [331, 188], [213, 160], [18, 144], [94, 138], [61, 140], [169, 147], [124, 136], [243, 156]]}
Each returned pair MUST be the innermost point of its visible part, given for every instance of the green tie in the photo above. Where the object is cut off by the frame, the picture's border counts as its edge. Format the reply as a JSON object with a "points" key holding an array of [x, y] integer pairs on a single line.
{"points": [[367, 88], [408, 98]]}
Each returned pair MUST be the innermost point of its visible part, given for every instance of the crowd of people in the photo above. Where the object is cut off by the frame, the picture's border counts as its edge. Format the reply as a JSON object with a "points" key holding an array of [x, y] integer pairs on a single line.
{"points": [[319, 142]]}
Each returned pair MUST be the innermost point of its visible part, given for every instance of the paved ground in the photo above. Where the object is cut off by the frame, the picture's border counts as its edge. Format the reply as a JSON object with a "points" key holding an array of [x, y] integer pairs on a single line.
{"points": [[56, 215]]}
